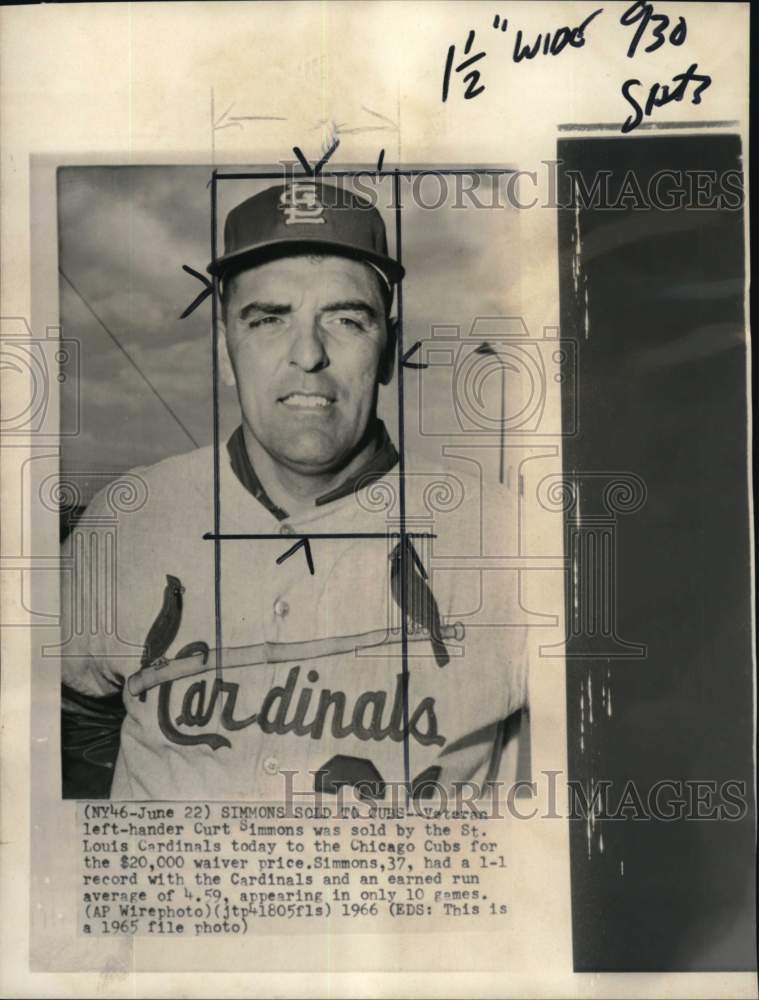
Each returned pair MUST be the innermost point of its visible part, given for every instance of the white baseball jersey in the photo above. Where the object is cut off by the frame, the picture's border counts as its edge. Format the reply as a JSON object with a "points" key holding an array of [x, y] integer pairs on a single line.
{"points": [[310, 672]]}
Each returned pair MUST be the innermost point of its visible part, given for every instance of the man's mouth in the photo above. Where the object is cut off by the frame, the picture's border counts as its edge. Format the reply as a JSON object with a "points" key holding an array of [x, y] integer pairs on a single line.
{"points": [[307, 401]]}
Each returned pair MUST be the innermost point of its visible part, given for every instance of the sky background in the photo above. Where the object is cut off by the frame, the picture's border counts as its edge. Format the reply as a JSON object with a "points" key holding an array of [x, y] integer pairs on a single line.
{"points": [[124, 234]]}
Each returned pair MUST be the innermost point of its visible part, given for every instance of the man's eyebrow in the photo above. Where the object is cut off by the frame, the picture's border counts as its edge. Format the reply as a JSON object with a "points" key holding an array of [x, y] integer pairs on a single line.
{"points": [[352, 305], [271, 308]]}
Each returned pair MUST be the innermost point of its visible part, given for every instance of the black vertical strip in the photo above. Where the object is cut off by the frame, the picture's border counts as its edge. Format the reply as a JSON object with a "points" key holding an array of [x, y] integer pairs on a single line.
{"points": [[659, 392], [404, 539], [215, 377]]}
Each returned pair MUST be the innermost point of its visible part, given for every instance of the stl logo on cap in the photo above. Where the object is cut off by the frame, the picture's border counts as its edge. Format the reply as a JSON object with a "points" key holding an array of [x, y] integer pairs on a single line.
{"points": [[299, 203]]}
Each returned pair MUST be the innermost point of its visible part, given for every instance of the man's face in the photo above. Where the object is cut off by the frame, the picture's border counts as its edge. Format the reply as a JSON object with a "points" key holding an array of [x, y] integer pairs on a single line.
{"points": [[308, 343]]}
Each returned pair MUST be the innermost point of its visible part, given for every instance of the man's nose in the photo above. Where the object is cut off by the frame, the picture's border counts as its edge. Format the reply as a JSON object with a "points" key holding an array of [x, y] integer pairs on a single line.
{"points": [[307, 348]]}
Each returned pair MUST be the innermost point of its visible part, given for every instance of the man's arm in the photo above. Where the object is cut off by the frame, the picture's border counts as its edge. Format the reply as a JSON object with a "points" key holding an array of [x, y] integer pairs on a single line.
{"points": [[90, 739], [92, 708]]}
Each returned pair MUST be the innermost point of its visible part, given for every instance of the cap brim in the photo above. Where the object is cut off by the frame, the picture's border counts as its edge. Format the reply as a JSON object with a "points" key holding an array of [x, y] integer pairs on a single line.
{"points": [[274, 249]]}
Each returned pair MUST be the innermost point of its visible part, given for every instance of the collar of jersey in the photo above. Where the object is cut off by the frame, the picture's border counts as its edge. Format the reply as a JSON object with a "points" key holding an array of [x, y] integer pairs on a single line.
{"points": [[382, 461]]}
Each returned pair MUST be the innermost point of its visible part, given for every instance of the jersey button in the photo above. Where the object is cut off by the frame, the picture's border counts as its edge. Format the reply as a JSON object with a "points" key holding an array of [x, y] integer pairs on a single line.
{"points": [[286, 529], [281, 608], [271, 765]]}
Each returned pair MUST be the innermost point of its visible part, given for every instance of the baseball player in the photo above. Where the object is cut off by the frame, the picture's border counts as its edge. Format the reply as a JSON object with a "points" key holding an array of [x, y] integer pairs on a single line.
{"points": [[356, 660]]}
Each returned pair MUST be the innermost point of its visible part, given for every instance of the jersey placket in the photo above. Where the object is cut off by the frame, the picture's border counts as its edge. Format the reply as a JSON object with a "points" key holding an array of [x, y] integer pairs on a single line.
{"points": [[287, 616]]}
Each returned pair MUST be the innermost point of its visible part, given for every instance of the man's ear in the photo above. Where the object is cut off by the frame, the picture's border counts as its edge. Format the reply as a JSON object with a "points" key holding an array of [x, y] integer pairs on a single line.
{"points": [[387, 361], [225, 361]]}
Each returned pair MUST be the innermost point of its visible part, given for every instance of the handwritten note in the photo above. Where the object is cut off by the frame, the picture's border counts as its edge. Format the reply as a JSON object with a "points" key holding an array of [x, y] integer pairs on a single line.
{"points": [[657, 27], [652, 31]]}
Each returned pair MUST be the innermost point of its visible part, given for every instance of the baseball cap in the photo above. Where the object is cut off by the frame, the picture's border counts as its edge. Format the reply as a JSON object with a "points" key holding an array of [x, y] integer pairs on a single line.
{"points": [[304, 216]]}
